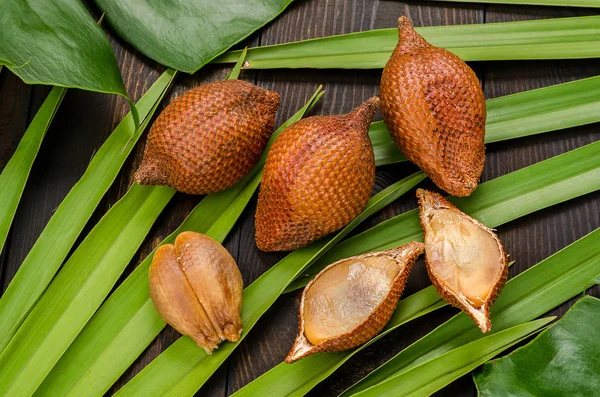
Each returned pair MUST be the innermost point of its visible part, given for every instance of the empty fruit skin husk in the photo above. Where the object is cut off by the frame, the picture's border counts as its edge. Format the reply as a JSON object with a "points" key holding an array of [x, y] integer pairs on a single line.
{"points": [[433, 105], [351, 300], [196, 288], [209, 138], [465, 259], [319, 175]]}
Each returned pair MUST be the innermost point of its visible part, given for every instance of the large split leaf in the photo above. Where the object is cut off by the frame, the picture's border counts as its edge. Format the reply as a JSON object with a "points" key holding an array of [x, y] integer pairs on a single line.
{"points": [[563, 360], [57, 42], [187, 34]]}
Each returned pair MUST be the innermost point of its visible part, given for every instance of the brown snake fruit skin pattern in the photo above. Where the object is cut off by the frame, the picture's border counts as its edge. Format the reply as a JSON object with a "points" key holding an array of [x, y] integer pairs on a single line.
{"points": [[434, 108], [209, 138], [318, 176]]}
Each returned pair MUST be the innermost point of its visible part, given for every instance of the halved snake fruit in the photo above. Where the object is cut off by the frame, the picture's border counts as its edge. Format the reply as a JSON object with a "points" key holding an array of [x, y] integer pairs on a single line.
{"points": [[465, 259], [351, 300]]}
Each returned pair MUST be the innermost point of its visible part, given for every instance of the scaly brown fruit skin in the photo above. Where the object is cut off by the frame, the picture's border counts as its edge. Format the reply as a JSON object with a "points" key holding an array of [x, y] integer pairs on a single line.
{"points": [[405, 256], [430, 201], [319, 175], [209, 138], [433, 105]]}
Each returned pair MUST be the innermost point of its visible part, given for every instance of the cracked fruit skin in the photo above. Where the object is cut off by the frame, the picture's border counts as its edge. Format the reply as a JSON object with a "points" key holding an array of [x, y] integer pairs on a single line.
{"points": [[196, 288], [319, 175], [465, 259], [351, 300], [209, 138], [433, 105]]}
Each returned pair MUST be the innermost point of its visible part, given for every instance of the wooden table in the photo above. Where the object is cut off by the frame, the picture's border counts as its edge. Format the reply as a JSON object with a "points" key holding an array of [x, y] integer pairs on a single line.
{"points": [[85, 119]]}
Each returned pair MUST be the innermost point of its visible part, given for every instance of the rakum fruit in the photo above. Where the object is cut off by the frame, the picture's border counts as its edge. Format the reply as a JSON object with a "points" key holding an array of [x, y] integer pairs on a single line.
{"points": [[196, 287], [465, 259], [351, 300], [209, 138], [319, 175], [433, 105]]}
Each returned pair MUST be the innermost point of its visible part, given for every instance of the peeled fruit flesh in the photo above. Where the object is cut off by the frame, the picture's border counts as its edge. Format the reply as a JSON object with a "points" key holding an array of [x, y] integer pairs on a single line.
{"points": [[433, 105], [351, 300], [465, 260], [209, 138], [319, 175], [196, 288]]}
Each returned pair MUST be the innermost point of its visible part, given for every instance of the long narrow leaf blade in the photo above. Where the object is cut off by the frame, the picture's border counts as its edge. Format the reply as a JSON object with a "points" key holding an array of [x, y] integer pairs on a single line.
{"points": [[78, 289], [514, 116], [15, 173], [525, 297], [429, 377], [149, 315], [183, 368], [61, 232], [127, 323], [298, 378], [558, 38]]}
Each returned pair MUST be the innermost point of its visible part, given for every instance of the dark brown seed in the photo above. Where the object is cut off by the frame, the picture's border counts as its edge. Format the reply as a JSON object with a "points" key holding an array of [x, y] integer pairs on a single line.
{"points": [[209, 138], [434, 108], [318, 176]]}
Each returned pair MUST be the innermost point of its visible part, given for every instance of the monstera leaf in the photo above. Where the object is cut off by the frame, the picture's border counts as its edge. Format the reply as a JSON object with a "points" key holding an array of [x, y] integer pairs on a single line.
{"points": [[562, 361], [187, 34], [57, 42]]}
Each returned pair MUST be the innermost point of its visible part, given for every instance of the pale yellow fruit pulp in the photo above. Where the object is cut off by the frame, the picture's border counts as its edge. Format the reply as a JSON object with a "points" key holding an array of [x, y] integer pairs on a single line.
{"points": [[345, 295], [464, 257]]}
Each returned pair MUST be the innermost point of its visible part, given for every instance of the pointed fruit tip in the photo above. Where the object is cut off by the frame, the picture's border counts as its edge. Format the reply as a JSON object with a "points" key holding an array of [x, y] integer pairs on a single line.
{"points": [[363, 114], [404, 22], [299, 350], [485, 325], [408, 38]]}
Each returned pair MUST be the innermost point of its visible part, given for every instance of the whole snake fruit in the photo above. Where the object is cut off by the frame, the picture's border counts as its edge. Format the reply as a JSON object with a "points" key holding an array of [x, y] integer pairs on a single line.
{"points": [[319, 175], [209, 138], [434, 108]]}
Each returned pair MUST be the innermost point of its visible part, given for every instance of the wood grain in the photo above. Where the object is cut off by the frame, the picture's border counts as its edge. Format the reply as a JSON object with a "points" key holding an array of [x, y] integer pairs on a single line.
{"points": [[86, 119]]}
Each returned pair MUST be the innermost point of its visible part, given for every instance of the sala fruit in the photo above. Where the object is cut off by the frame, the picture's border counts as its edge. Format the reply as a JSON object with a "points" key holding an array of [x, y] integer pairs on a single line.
{"points": [[433, 106], [319, 175], [209, 138]]}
